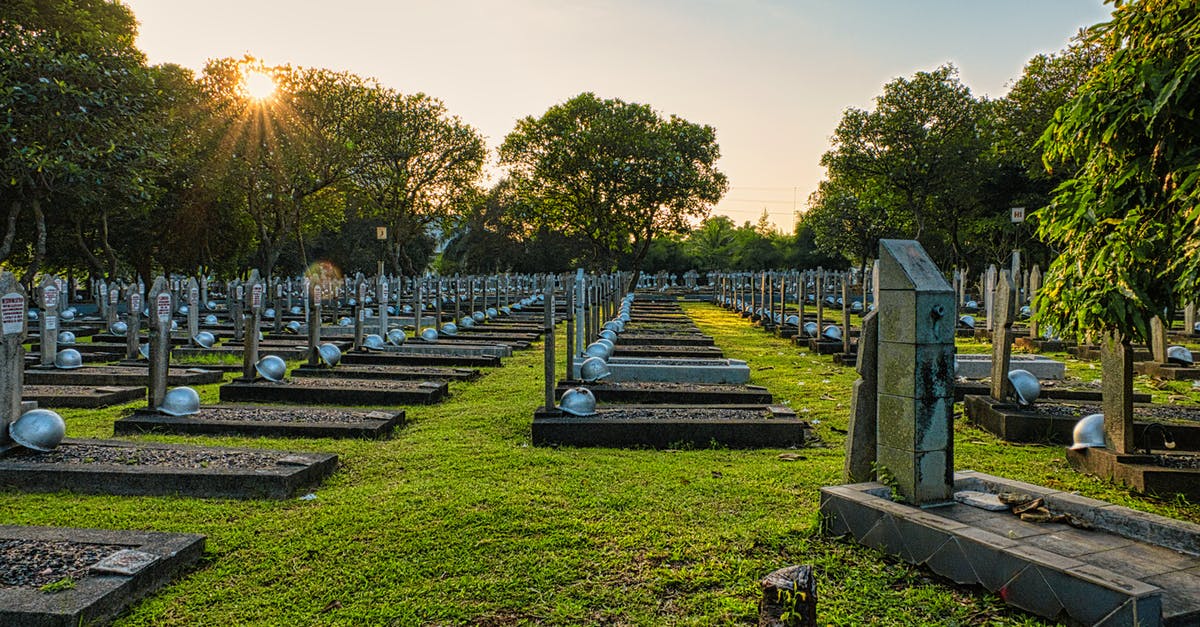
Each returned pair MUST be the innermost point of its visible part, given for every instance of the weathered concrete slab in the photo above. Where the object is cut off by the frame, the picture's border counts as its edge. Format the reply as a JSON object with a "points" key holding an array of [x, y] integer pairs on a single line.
{"points": [[399, 373], [205, 472], [392, 359], [671, 393], [1049, 569], [329, 391], [98, 597], [108, 376], [660, 426], [977, 366], [81, 396], [260, 421], [668, 370]]}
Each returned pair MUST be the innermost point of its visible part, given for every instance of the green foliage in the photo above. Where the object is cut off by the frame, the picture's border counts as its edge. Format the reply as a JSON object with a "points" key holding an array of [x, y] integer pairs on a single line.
{"points": [[612, 172], [1127, 222], [66, 583]]}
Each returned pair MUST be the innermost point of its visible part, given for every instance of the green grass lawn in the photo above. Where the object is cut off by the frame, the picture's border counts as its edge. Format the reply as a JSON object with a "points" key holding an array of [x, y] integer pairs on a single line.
{"points": [[458, 519]]}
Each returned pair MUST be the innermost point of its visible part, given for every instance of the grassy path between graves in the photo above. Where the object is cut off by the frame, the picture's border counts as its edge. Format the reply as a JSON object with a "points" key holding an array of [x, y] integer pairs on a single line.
{"points": [[458, 520]]}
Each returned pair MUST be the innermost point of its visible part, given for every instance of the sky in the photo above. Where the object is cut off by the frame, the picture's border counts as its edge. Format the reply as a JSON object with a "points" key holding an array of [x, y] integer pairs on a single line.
{"points": [[772, 76]]}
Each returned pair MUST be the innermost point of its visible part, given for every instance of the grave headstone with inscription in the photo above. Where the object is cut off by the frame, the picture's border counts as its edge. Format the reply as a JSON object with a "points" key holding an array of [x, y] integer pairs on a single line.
{"points": [[49, 321], [160, 340], [255, 298], [12, 352]]}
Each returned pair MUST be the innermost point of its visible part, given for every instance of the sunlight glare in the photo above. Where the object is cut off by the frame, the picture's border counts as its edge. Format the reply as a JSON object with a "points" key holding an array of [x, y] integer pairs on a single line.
{"points": [[258, 85]]}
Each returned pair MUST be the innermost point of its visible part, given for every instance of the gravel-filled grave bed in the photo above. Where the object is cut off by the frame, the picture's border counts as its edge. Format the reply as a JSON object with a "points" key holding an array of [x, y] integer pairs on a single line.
{"points": [[35, 563], [676, 413], [272, 414], [1148, 413], [72, 453]]}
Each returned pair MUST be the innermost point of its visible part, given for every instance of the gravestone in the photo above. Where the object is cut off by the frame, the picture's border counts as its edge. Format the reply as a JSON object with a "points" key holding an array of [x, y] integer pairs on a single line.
{"points": [[916, 374], [252, 312], [989, 293], [1002, 336], [861, 441], [1116, 362], [314, 325], [49, 321], [1158, 340], [100, 296], [580, 313], [360, 309], [1035, 284], [1189, 318], [236, 298], [845, 317], [160, 341], [12, 352], [133, 320], [418, 297], [114, 297], [277, 305], [820, 300], [192, 289], [381, 291]]}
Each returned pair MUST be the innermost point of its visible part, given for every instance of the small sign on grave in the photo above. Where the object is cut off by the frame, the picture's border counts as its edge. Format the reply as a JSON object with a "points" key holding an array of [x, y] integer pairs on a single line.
{"points": [[114, 295], [1018, 214], [135, 301], [241, 293], [383, 291], [381, 232], [49, 296], [51, 323], [194, 296], [12, 313], [256, 294], [162, 306]]}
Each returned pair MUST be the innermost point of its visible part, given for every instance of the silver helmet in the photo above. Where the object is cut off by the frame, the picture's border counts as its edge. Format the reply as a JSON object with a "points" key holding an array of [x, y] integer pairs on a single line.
{"points": [[174, 325], [624, 317], [38, 429], [467, 322], [296, 310], [32, 315], [144, 350], [596, 349], [204, 339], [792, 320], [345, 322], [832, 332], [491, 313], [211, 305], [66, 338], [479, 316], [966, 322], [856, 306], [180, 401], [396, 337], [616, 326], [578, 402], [269, 313], [210, 320], [429, 334], [1026, 386], [67, 314], [330, 354], [183, 310], [1089, 432], [118, 328], [450, 329], [609, 335], [68, 359], [272, 368], [1175, 354], [594, 369], [1024, 312], [373, 341], [505, 311], [971, 304], [292, 327], [810, 329]]}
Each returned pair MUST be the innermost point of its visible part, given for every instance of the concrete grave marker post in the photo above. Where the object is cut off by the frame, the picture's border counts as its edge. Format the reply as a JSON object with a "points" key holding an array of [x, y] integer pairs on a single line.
{"points": [[277, 305], [458, 296], [417, 298], [1002, 336], [314, 324], [437, 323], [802, 281], [569, 295], [12, 352], [548, 366], [989, 292], [160, 341], [861, 443], [916, 374], [236, 299], [289, 289], [580, 312], [820, 300], [192, 290], [204, 289], [1035, 284], [360, 309], [845, 317], [48, 322], [1116, 362], [1189, 318], [100, 296], [114, 298], [133, 322], [1158, 339], [253, 307], [381, 287]]}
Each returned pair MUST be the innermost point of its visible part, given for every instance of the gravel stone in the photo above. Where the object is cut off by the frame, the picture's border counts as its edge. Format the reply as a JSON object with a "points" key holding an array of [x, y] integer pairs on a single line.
{"points": [[333, 382], [26, 564], [300, 414], [676, 413], [138, 456]]}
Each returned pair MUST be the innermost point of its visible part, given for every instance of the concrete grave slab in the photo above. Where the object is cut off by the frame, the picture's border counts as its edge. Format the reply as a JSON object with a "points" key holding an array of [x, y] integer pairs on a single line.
{"points": [[977, 366], [266, 421], [80, 396], [666, 426], [333, 391], [148, 561]]}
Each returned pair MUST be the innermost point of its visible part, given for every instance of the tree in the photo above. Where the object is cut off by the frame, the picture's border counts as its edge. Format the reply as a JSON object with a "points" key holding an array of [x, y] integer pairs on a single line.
{"points": [[849, 222], [420, 165], [712, 244], [74, 93], [919, 153], [613, 172], [1127, 220]]}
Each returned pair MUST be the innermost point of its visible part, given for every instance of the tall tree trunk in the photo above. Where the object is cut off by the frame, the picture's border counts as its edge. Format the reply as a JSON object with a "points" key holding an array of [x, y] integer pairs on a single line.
{"points": [[39, 249], [640, 249], [94, 263], [109, 253], [10, 232]]}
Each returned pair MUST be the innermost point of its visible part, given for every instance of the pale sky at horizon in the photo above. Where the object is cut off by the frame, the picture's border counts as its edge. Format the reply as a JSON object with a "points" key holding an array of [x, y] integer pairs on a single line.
{"points": [[772, 76]]}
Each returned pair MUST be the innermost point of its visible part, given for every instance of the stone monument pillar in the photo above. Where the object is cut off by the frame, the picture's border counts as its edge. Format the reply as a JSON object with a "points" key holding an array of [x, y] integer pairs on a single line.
{"points": [[381, 291], [133, 320], [989, 292], [49, 321], [12, 352], [114, 297], [1116, 362], [314, 324], [1035, 284], [1158, 339], [235, 300], [160, 341], [252, 308], [192, 290], [862, 442], [916, 374], [1002, 336]]}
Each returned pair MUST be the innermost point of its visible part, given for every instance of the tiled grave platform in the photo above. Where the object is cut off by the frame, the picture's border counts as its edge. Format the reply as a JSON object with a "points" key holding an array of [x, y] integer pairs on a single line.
{"points": [[149, 560], [1131, 568]]}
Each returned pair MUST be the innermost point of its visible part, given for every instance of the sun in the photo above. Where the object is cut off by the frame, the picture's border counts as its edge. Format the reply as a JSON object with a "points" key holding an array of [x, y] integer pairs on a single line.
{"points": [[258, 85]]}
